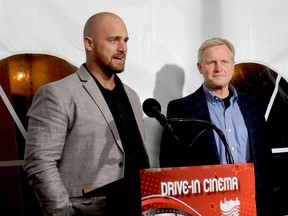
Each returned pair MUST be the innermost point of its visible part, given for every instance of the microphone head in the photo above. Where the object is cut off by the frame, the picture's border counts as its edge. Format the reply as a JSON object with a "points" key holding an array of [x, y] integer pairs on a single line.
{"points": [[151, 107]]}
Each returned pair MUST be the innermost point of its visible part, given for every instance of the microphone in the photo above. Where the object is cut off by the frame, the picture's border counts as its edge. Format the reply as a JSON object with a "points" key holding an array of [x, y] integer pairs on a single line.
{"points": [[152, 108]]}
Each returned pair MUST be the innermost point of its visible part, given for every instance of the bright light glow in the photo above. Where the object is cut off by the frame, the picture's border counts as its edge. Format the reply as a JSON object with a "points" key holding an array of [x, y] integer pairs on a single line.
{"points": [[20, 76]]}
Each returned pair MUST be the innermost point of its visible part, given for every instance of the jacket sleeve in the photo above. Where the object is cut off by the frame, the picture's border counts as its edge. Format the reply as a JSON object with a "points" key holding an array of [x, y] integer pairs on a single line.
{"points": [[46, 136]]}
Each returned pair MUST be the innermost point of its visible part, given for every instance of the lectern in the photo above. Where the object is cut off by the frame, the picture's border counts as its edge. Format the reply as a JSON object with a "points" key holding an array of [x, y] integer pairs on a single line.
{"points": [[186, 191]]}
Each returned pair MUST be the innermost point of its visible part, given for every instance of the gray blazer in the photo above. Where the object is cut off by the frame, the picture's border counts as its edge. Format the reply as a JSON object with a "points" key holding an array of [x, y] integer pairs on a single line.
{"points": [[73, 142]]}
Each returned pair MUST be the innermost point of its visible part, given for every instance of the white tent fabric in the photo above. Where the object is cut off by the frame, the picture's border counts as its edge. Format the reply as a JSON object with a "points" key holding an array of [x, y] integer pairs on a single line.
{"points": [[164, 38]]}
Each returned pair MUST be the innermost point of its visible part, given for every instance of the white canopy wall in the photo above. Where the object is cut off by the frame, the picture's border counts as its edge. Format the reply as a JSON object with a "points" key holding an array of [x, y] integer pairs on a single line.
{"points": [[164, 38]]}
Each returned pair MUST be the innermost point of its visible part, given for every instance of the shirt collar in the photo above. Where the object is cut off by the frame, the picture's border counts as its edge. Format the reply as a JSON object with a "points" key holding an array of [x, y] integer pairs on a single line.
{"points": [[211, 97], [117, 80]]}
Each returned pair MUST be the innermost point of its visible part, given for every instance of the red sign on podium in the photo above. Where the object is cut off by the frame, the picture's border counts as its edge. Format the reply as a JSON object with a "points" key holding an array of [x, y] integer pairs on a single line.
{"points": [[227, 190]]}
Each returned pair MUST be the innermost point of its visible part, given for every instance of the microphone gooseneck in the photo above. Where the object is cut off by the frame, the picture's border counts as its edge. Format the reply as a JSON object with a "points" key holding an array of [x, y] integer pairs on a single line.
{"points": [[228, 154]]}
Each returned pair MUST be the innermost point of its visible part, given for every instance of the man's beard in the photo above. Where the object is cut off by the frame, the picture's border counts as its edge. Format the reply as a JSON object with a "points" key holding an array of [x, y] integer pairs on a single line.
{"points": [[116, 68]]}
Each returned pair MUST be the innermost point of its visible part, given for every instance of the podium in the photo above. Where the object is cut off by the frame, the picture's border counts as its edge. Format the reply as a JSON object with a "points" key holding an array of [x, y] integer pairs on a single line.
{"points": [[183, 191]]}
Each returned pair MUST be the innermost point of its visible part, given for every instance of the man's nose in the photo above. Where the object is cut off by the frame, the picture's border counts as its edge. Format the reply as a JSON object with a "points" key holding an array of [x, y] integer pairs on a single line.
{"points": [[122, 46], [218, 66]]}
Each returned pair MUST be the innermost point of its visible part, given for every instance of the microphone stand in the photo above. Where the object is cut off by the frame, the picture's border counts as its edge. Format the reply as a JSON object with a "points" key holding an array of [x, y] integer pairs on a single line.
{"points": [[228, 154]]}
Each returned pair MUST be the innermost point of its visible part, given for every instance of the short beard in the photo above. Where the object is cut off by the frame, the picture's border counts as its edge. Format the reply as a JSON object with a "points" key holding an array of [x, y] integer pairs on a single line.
{"points": [[110, 67]]}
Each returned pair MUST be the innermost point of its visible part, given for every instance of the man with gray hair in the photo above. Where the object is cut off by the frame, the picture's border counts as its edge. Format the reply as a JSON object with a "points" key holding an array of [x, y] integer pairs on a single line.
{"points": [[239, 116]]}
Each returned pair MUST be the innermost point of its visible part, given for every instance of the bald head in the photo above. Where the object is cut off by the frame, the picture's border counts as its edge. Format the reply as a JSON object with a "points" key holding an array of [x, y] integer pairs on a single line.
{"points": [[98, 21]]}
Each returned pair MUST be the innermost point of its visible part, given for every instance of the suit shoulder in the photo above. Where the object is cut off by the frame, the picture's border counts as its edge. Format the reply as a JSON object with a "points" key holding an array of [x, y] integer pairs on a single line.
{"points": [[130, 91], [64, 82], [247, 98], [195, 97]]}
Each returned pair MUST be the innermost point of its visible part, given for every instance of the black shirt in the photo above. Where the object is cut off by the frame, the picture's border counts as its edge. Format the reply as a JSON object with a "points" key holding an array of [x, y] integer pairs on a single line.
{"points": [[120, 107]]}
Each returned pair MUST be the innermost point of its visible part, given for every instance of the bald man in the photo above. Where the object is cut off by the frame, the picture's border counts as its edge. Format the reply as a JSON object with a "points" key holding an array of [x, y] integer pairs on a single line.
{"points": [[86, 130]]}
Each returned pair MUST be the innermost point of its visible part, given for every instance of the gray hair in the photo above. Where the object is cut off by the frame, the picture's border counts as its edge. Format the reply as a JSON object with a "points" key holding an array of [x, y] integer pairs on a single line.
{"points": [[215, 42]]}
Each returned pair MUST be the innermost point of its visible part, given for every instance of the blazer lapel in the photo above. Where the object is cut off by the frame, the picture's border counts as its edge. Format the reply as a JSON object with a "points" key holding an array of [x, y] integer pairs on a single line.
{"points": [[96, 95], [137, 110]]}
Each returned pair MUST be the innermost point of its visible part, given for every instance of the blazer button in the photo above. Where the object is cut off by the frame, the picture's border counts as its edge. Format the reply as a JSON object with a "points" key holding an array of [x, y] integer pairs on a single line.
{"points": [[121, 164]]}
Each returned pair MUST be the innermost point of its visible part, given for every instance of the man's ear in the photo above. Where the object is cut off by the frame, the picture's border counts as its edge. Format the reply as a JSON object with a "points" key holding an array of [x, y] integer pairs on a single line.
{"points": [[199, 67], [88, 43]]}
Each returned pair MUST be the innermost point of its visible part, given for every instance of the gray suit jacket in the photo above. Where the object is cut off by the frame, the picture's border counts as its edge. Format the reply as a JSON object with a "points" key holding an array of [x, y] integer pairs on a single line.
{"points": [[73, 142]]}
